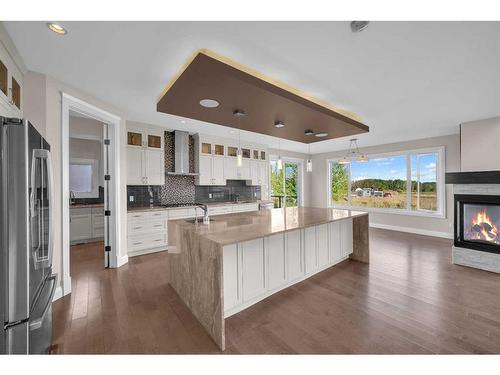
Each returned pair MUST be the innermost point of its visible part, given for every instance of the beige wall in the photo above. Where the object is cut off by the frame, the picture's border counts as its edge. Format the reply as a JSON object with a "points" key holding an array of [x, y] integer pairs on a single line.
{"points": [[49, 100], [437, 226], [306, 179], [480, 149]]}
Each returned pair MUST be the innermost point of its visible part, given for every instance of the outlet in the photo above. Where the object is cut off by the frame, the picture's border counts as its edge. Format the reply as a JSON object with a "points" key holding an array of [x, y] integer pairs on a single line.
{"points": [[210, 195], [131, 198]]}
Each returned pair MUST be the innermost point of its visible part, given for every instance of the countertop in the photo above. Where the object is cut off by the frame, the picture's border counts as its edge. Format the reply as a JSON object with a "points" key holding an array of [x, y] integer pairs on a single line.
{"points": [[238, 227], [209, 204]]}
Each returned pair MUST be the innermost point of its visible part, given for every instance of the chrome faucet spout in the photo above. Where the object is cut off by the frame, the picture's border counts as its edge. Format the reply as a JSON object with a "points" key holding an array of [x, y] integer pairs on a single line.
{"points": [[204, 207]]}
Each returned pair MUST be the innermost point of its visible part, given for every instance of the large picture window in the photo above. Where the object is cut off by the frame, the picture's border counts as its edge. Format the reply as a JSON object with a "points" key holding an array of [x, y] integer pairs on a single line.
{"points": [[406, 182]]}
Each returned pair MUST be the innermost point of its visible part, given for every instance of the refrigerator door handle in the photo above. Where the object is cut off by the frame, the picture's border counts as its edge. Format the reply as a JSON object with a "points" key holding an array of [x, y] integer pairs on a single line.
{"points": [[45, 155], [37, 323]]}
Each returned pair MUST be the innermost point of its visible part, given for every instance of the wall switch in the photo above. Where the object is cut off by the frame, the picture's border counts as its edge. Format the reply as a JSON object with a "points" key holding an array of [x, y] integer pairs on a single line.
{"points": [[210, 195], [131, 198]]}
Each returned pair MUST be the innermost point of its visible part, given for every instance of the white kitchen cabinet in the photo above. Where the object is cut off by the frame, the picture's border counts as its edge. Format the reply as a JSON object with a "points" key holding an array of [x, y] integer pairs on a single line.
{"points": [[145, 157], [243, 172], [335, 241], [86, 224], [310, 254], [232, 277], [80, 224], [276, 256], [253, 261], [135, 166], [211, 170], [346, 237], [255, 172], [293, 245], [11, 85], [322, 245], [230, 168]]}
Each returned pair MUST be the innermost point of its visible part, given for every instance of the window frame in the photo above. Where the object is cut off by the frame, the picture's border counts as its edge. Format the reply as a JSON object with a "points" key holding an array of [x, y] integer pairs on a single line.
{"points": [[440, 185]]}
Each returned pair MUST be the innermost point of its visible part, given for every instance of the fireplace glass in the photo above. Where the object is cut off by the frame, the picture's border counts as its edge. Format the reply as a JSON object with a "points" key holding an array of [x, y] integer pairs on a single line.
{"points": [[481, 223], [477, 222]]}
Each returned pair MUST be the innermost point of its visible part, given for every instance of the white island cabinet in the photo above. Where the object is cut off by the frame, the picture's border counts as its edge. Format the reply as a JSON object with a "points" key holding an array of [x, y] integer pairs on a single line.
{"points": [[253, 270]]}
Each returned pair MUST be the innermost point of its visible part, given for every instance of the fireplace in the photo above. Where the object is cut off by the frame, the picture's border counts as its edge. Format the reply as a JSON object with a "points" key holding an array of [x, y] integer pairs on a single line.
{"points": [[477, 222]]}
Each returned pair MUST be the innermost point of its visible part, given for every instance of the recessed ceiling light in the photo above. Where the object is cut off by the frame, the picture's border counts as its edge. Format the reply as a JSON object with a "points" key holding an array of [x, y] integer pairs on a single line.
{"points": [[55, 27], [321, 135], [309, 132], [239, 113], [209, 103], [357, 26], [279, 124]]}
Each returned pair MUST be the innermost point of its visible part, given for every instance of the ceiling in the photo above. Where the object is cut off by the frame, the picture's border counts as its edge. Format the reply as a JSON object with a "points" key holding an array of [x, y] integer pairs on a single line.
{"points": [[405, 80]]}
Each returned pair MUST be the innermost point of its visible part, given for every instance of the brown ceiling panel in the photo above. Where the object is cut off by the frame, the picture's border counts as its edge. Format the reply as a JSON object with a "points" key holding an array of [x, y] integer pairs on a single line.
{"points": [[207, 76]]}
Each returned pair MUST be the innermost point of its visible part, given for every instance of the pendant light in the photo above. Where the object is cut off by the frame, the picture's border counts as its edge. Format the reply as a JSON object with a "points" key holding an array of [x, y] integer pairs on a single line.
{"points": [[279, 162], [353, 154], [309, 164], [239, 157]]}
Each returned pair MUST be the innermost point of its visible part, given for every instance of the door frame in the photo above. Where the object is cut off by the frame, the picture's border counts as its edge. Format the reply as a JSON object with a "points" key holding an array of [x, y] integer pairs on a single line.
{"points": [[300, 176], [70, 103]]}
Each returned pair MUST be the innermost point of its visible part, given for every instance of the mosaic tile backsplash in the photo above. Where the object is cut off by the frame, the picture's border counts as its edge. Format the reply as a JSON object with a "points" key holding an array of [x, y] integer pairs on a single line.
{"points": [[181, 189]]}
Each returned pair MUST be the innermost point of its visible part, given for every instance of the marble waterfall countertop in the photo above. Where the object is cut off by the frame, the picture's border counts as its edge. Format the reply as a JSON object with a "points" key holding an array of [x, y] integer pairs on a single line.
{"points": [[233, 228]]}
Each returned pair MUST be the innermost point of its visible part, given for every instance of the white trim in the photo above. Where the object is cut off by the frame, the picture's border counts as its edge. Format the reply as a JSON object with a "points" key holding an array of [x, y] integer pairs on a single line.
{"points": [[123, 260], [136, 253], [76, 105], [423, 232], [57, 294], [440, 185]]}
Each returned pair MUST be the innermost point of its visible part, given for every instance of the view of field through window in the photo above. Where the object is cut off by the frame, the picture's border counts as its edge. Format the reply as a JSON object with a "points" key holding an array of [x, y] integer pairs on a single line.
{"points": [[382, 182]]}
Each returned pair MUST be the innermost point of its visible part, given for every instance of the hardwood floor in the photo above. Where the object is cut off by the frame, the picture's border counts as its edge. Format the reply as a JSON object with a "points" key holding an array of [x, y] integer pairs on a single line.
{"points": [[410, 299]]}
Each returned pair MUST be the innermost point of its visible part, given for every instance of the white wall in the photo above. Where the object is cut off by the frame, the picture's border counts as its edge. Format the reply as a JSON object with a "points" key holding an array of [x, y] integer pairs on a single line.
{"points": [[480, 149], [438, 226], [87, 149], [48, 99]]}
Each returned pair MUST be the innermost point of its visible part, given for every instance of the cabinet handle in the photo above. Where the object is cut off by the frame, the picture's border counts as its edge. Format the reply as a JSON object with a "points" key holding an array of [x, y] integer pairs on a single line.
{"points": [[157, 226], [137, 227], [158, 240], [137, 243]]}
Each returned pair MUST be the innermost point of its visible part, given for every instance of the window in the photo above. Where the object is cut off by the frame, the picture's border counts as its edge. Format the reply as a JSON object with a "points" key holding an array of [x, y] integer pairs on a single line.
{"points": [[285, 183], [83, 178], [407, 182]]}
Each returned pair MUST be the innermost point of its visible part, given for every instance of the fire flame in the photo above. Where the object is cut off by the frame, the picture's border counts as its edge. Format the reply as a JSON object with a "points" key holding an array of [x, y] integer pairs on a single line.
{"points": [[487, 229]]}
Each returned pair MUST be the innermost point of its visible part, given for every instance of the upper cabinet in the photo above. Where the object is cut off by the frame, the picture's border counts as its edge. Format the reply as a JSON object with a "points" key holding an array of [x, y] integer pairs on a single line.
{"points": [[11, 85], [145, 157], [216, 162]]}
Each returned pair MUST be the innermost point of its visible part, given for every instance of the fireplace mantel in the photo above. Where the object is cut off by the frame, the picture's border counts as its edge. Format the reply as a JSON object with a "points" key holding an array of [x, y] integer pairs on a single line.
{"points": [[483, 177]]}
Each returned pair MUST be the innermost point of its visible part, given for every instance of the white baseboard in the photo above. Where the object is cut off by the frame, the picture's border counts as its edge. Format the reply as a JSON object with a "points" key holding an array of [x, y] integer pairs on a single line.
{"points": [[66, 286], [423, 232], [146, 251], [57, 294], [122, 260]]}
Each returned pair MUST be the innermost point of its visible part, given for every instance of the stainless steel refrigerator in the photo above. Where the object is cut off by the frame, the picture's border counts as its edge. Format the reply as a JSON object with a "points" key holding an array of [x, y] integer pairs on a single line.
{"points": [[27, 283]]}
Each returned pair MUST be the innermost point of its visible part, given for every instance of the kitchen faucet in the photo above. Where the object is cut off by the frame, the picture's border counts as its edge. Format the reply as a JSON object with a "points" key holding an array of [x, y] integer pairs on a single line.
{"points": [[72, 198], [204, 207], [151, 198]]}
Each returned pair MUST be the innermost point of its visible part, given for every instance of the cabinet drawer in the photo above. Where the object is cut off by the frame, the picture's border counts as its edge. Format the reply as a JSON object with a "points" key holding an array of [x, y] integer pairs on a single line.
{"points": [[181, 213], [149, 241], [98, 219], [147, 215], [79, 211], [245, 207], [147, 226], [220, 210]]}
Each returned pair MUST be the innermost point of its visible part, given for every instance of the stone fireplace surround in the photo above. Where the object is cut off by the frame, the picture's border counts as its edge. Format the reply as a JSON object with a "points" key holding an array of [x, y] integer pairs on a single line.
{"points": [[487, 261]]}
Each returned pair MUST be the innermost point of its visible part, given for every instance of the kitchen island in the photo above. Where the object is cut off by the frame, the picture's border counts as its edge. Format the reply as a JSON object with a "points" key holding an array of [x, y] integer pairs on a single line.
{"points": [[237, 260]]}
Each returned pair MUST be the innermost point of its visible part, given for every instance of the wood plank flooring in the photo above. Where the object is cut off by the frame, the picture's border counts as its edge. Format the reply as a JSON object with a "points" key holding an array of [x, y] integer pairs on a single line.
{"points": [[409, 300]]}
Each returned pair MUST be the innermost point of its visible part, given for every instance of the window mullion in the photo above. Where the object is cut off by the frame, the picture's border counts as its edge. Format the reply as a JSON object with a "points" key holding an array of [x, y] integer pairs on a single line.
{"points": [[349, 200], [408, 182]]}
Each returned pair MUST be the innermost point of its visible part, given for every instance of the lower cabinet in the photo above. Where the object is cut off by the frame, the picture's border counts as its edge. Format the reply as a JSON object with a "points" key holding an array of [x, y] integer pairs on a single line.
{"points": [[255, 269], [86, 224], [276, 264]]}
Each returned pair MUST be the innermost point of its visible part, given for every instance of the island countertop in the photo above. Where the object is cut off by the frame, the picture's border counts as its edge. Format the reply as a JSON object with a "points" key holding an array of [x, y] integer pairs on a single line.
{"points": [[232, 228]]}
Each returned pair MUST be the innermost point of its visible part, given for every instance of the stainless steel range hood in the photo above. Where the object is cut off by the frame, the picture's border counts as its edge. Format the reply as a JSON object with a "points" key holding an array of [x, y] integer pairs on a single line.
{"points": [[181, 154]]}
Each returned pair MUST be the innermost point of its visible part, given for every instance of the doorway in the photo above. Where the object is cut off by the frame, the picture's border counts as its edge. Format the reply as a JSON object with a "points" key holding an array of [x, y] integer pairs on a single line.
{"points": [[286, 186], [90, 194]]}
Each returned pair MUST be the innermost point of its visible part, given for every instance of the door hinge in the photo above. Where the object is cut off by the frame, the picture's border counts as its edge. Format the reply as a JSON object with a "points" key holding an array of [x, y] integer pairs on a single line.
{"points": [[107, 177], [107, 142], [107, 213], [107, 248]]}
